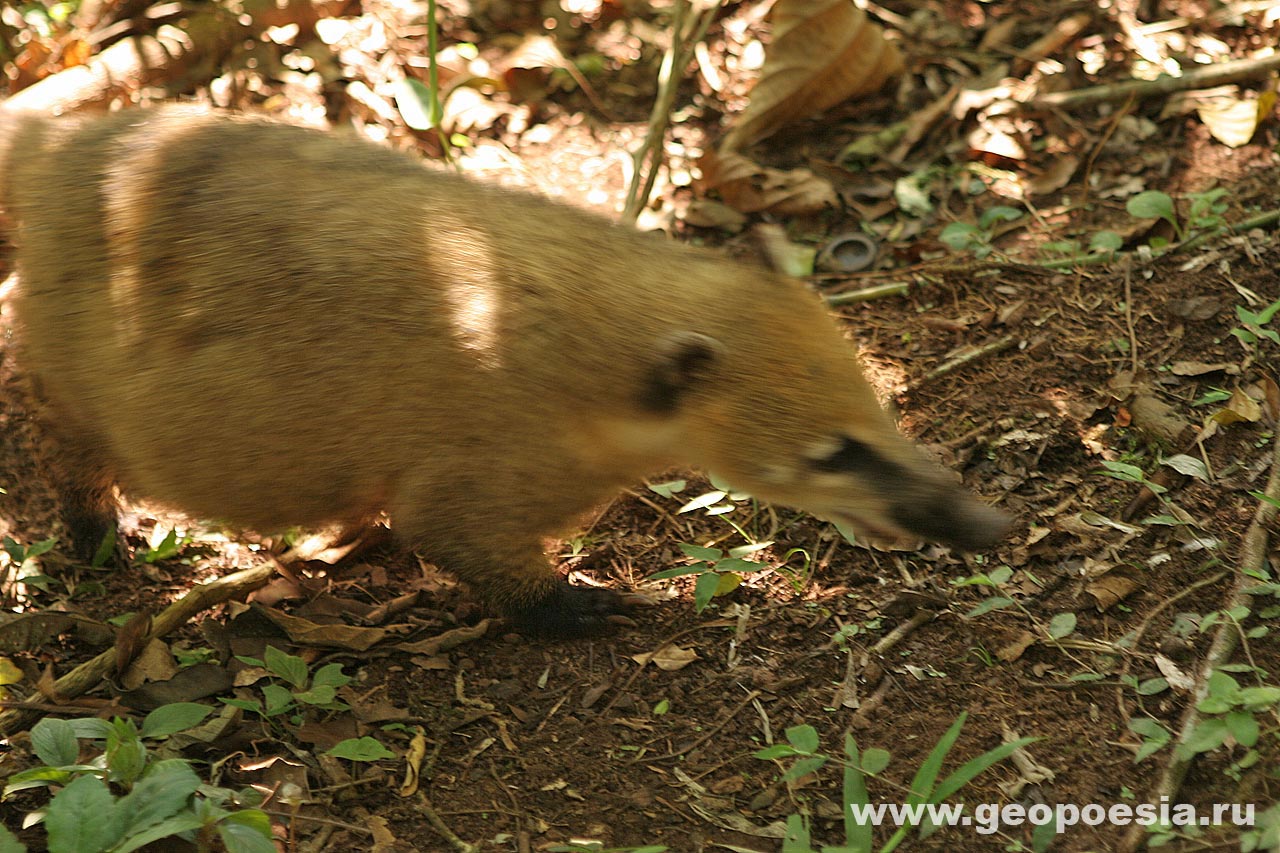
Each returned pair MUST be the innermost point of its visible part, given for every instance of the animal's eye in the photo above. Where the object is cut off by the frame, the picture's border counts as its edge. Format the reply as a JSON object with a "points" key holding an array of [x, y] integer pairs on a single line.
{"points": [[855, 457]]}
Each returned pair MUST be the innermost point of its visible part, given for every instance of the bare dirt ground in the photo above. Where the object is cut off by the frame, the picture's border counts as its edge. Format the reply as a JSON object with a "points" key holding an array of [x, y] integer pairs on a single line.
{"points": [[531, 743]]}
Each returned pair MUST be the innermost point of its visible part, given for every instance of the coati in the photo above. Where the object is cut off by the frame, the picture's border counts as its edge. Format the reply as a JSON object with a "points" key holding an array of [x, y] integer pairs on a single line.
{"points": [[270, 326]]}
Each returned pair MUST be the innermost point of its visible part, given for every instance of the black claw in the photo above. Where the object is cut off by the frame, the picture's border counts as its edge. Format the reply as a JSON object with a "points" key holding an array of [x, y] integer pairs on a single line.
{"points": [[574, 611]]}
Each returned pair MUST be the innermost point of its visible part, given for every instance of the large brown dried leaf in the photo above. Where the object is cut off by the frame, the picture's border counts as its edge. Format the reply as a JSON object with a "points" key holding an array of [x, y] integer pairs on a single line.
{"points": [[751, 188], [823, 52]]}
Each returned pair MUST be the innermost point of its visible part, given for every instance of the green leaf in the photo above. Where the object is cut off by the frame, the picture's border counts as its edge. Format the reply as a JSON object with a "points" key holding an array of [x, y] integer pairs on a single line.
{"points": [[40, 777], [778, 750], [83, 818], [330, 675], [965, 773], [797, 838], [1260, 698], [698, 552], [416, 104], [1151, 204], [320, 695], [804, 738], [1147, 727], [703, 501], [927, 773], [1062, 625], [291, 668], [41, 548], [106, 548], [959, 235], [162, 792], [247, 831], [361, 749], [1152, 686], [1106, 241], [680, 571], [54, 742], [174, 717], [277, 700], [997, 214], [996, 602], [9, 842], [874, 760], [858, 836], [705, 590], [1243, 727], [669, 488], [91, 728], [803, 767], [1188, 465], [179, 823], [1208, 735]]}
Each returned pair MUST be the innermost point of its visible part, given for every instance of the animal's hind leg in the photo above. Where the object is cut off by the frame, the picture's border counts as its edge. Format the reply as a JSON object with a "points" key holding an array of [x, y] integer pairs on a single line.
{"points": [[86, 495]]}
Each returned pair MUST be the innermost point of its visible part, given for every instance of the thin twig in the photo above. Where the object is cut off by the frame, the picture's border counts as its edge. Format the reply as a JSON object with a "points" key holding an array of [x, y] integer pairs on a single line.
{"points": [[968, 357], [1204, 77], [648, 157]]}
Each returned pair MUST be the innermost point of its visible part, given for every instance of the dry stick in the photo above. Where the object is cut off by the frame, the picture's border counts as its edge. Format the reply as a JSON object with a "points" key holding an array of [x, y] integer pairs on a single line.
{"points": [[1128, 314], [1198, 78], [202, 597], [439, 826], [866, 294], [1253, 552], [669, 76], [967, 357]]}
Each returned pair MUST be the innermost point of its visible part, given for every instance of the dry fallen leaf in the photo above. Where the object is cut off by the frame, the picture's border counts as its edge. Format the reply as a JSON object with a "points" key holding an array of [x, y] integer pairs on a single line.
{"points": [[823, 52], [668, 658], [748, 187], [1110, 589]]}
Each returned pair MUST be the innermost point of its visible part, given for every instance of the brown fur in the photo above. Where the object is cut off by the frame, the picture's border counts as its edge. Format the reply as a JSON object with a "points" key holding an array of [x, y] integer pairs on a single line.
{"points": [[270, 326]]}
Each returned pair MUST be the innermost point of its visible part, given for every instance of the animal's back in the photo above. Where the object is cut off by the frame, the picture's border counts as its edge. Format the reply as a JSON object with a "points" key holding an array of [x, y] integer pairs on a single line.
{"points": [[308, 305], [271, 326]]}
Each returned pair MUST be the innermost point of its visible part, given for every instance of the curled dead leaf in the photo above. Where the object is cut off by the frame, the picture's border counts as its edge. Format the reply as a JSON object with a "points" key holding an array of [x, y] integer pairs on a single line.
{"points": [[413, 762], [748, 187], [823, 52], [1110, 589]]}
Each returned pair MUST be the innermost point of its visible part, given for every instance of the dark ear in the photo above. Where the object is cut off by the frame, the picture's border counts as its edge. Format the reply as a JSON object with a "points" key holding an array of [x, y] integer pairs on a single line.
{"points": [[680, 361]]}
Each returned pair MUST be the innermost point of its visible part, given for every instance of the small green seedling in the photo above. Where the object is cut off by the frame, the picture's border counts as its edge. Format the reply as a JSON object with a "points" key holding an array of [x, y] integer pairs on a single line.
{"points": [[719, 572], [965, 236], [295, 689], [123, 798], [1251, 331]]}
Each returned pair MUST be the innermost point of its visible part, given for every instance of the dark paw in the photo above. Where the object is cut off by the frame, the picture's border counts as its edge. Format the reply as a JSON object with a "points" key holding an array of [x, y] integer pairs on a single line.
{"points": [[576, 611], [93, 537]]}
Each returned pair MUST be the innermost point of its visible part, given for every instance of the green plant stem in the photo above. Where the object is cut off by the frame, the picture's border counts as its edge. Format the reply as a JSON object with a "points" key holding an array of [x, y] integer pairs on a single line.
{"points": [[648, 157]]}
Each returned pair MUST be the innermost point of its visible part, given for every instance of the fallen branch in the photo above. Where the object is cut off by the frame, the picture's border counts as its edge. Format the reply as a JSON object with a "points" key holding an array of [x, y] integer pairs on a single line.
{"points": [[1253, 554], [87, 675], [1204, 77]]}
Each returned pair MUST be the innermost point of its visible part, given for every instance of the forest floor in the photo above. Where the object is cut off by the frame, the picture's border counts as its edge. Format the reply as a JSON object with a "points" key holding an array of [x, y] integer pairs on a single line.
{"points": [[1086, 629]]}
